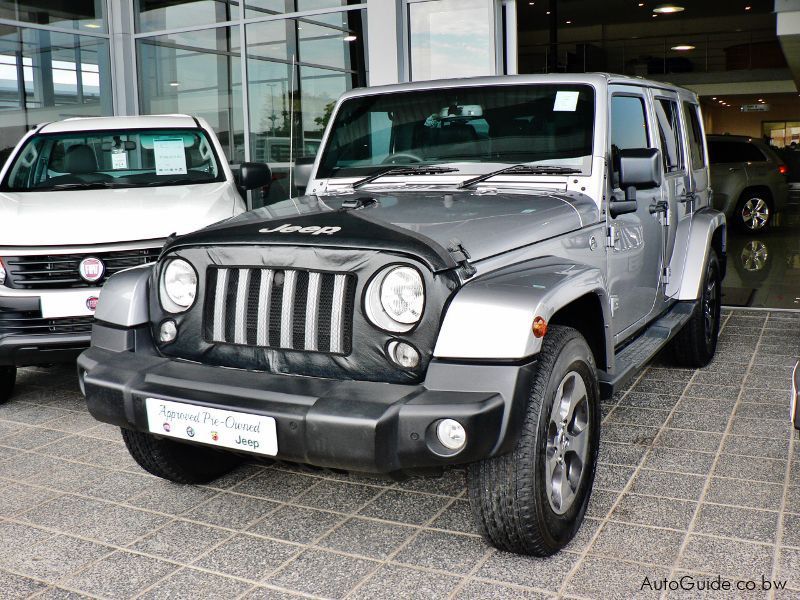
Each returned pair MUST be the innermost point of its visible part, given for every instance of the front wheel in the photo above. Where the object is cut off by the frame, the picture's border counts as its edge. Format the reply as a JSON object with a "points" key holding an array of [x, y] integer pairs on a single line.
{"points": [[8, 377], [181, 463], [533, 500], [696, 344]]}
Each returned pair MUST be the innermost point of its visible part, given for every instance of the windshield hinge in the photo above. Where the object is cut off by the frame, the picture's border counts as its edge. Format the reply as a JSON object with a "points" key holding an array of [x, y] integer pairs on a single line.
{"points": [[358, 203], [461, 256], [612, 236]]}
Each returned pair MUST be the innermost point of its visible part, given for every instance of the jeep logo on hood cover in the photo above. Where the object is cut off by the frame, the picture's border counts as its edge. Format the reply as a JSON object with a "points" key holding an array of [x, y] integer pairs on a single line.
{"points": [[312, 229]]}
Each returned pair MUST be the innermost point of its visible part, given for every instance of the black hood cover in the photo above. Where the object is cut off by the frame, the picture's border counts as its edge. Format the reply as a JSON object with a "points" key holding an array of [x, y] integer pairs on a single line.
{"points": [[342, 228]]}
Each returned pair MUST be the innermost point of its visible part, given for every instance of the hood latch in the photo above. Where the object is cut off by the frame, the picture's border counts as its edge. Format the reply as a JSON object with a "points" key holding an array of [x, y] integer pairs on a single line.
{"points": [[461, 256]]}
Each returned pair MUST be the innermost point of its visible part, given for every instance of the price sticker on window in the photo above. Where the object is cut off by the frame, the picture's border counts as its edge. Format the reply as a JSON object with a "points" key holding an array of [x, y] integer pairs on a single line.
{"points": [[566, 102], [169, 156]]}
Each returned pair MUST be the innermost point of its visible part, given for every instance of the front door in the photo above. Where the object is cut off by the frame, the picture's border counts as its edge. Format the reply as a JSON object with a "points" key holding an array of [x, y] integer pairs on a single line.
{"points": [[637, 239]]}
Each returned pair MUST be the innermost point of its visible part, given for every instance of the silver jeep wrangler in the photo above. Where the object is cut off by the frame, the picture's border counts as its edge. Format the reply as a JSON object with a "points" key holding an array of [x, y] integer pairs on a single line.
{"points": [[474, 265]]}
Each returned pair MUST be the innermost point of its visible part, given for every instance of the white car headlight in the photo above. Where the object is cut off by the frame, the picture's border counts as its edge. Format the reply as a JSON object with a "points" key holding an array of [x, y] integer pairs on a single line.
{"points": [[396, 298], [178, 286]]}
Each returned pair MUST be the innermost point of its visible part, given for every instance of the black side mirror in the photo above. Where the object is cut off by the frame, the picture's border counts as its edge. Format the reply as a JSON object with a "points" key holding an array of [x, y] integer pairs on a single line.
{"points": [[302, 171], [639, 169], [254, 175]]}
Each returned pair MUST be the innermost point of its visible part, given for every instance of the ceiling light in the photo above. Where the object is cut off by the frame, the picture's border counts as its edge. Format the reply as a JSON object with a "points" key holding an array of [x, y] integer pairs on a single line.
{"points": [[667, 9], [748, 7], [92, 26], [174, 83], [350, 38], [569, 22], [641, 4], [682, 48], [548, 12], [714, 98]]}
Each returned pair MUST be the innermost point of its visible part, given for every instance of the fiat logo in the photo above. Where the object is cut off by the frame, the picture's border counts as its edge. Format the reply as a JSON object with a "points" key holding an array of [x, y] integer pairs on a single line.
{"points": [[91, 269], [91, 303]]}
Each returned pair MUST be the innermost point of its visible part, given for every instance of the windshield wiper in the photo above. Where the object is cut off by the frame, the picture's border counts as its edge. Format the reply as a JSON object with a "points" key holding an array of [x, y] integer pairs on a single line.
{"points": [[522, 169], [419, 170], [183, 181], [89, 185]]}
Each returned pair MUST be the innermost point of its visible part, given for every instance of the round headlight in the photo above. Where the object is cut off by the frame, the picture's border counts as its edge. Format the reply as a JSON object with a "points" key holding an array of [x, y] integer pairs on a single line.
{"points": [[178, 286], [403, 295], [395, 299]]}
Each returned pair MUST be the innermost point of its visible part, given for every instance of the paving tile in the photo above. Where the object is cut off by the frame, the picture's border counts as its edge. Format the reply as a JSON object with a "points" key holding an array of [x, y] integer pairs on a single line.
{"points": [[625, 433], [248, 557], [702, 441], [180, 541], [190, 584], [393, 582], [30, 414], [600, 502], [725, 377], [618, 580], [637, 543], [612, 477], [741, 493], [106, 523], [55, 557], [445, 551], [654, 511], [451, 483], [580, 543], [651, 401], [730, 558], [621, 454], [707, 406], [16, 498], [761, 427], [456, 517], [699, 421], [791, 530], [752, 469], [24, 536], [756, 446], [638, 416], [239, 474], [57, 593], [338, 496], [724, 392], [492, 591], [543, 573], [759, 410], [232, 510], [171, 498], [683, 461], [265, 592], [296, 524], [670, 387], [745, 523], [113, 485], [366, 538], [17, 587], [323, 573], [121, 575], [789, 566], [668, 485], [762, 396], [404, 507], [32, 437], [275, 484]]}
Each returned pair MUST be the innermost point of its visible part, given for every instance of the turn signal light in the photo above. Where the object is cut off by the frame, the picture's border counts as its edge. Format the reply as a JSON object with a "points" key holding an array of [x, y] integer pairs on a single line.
{"points": [[539, 327]]}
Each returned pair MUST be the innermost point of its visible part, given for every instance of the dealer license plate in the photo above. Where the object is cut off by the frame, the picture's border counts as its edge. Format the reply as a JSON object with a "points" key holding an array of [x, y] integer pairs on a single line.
{"points": [[225, 428]]}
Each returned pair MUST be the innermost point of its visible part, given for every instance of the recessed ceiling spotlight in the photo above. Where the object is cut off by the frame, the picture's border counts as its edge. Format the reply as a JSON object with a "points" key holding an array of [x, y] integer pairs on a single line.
{"points": [[682, 48], [174, 83], [641, 4], [548, 12], [350, 38], [714, 98], [569, 22], [748, 7], [667, 9], [92, 26]]}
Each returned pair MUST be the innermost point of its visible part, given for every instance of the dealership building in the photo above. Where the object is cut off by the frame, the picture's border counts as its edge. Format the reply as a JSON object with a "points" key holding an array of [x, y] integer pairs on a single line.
{"points": [[250, 68]]}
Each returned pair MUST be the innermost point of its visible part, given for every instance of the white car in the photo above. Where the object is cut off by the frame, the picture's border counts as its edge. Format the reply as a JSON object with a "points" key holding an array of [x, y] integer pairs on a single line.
{"points": [[82, 199]]}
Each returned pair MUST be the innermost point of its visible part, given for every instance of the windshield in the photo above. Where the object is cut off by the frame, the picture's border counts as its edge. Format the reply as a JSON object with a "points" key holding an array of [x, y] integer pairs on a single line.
{"points": [[127, 158], [538, 124]]}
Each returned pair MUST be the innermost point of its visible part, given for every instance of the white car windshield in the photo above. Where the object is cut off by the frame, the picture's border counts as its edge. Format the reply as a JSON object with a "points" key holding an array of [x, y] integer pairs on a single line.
{"points": [[508, 124], [111, 159]]}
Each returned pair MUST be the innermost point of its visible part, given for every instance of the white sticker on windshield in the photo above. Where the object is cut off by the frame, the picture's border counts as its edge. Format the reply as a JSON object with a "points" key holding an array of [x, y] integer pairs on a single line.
{"points": [[566, 101], [119, 160], [170, 157]]}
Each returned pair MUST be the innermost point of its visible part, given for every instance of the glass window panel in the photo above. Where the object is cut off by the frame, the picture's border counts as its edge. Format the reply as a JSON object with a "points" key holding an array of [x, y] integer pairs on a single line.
{"points": [[451, 38], [197, 73], [89, 15], [670, 131], [157, 15], [695, 135], [255, 8], [49, 76], [628, 123]]}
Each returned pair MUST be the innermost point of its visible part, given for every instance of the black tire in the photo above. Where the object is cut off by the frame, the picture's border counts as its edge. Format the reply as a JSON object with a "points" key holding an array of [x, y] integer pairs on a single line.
{"points": [[181, 463], [8, 377], [754, 202], [696, 344], [508, 494]]}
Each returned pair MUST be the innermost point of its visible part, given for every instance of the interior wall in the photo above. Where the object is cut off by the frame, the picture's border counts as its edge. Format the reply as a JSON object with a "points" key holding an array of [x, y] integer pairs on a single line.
{"points": [[720, 119]]}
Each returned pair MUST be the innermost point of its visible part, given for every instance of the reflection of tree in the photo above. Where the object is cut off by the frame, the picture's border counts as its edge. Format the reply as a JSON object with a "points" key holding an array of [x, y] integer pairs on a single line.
{"points": [[322, 121]]}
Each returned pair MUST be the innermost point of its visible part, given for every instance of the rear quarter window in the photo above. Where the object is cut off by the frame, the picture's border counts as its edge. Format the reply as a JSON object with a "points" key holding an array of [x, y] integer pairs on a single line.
{"points": [[734, 152]]}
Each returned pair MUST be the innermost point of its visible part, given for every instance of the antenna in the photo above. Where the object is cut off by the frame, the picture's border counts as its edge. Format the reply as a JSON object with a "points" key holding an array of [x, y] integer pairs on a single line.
{"points": [[291, 137]]}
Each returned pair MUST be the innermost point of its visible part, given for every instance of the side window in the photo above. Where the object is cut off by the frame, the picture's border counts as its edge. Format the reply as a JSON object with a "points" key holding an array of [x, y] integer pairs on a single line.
{"points": [[695, 135], [670, 132], [628, 123], [752, 153]]}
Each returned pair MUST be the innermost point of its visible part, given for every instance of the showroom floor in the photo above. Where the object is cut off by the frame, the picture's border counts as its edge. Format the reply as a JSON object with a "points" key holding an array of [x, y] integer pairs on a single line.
{"points": [[700, 474]]}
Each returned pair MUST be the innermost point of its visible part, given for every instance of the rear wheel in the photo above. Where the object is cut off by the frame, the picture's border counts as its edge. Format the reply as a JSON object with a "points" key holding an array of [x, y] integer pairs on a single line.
{"points": [[181, 463], [8, 377], [696, 344], [533, 500], [754, 212]]}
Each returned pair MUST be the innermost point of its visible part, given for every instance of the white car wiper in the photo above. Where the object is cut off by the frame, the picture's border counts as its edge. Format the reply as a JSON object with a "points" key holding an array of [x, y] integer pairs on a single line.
{"points": [[521, 169], [418, 170]]}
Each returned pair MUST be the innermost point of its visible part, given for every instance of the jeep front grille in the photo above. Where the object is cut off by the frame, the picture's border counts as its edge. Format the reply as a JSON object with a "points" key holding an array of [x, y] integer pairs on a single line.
{"points": [[284, 309]]}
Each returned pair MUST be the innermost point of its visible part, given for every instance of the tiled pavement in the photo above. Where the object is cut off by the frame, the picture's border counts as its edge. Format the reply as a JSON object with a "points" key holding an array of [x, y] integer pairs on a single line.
{"points": [[700, 475]]}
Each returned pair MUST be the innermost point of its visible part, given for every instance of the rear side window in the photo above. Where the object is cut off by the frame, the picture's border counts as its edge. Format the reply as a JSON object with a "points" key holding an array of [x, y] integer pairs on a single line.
{"points": [[695, 135], [670, 132], [734, 152], [628, 123]]}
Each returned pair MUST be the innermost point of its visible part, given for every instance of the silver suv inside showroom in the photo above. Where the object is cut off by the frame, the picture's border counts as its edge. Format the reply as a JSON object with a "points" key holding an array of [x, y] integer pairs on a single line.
{"points": [[399, 299]]}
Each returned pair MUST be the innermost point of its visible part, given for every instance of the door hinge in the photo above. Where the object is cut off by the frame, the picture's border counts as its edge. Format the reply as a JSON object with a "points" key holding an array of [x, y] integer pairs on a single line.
{"points": [[612, 236], [666, 273]]}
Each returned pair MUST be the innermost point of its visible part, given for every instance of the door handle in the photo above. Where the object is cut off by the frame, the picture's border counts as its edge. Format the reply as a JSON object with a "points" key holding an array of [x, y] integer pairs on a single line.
{"points": [[732, 169], [687, 197], [659, 207]]}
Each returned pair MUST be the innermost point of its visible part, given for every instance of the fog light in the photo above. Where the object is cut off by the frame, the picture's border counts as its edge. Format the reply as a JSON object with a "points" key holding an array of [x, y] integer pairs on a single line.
{"points": [[404, 354], [451, 434], [168, 332]]}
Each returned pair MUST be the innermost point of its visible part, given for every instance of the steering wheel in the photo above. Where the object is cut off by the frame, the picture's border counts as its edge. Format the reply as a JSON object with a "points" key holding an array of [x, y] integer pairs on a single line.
{"points": [[391, 159]]}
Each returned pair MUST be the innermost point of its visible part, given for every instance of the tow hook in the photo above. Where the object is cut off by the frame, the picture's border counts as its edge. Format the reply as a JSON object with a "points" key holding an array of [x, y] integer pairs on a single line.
{"points": [[461, 256]]}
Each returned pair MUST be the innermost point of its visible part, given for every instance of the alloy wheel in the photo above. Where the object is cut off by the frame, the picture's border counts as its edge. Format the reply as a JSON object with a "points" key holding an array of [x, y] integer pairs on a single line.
{"points": [[567, 442], [755, 214], [754, 256]]}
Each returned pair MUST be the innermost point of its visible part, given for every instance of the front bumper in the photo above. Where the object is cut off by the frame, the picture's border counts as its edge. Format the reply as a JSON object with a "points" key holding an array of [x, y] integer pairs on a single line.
{"points": [[352, 425], [27, 350], [795, 401]]}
